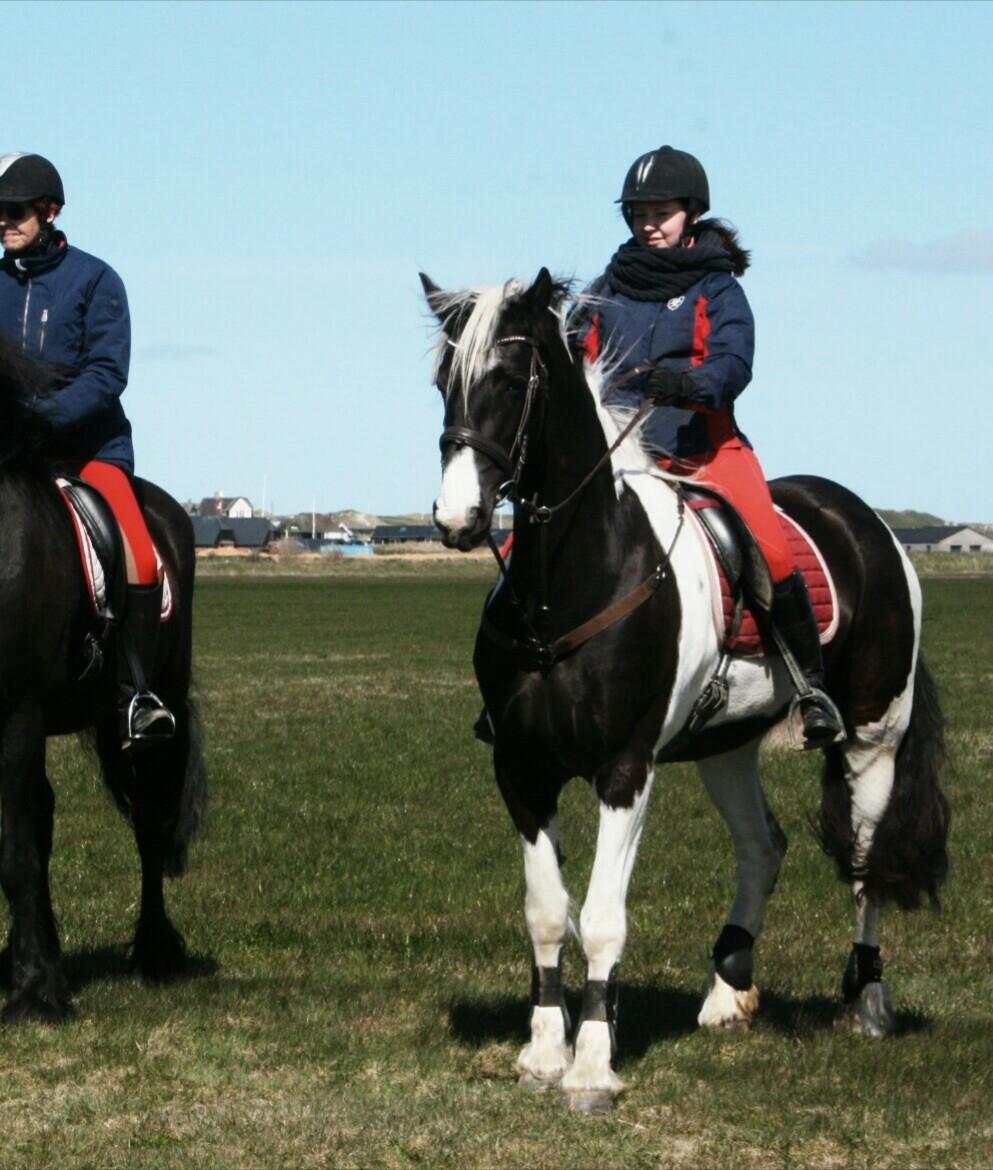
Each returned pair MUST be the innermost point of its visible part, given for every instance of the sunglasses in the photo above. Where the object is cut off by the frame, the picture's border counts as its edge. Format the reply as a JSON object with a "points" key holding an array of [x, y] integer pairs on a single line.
{"points": [[15, 211]]}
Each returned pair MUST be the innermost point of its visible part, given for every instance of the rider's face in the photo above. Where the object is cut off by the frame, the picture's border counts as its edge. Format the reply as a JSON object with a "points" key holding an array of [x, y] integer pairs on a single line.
{"points": [[658, 225], [21, 224]]}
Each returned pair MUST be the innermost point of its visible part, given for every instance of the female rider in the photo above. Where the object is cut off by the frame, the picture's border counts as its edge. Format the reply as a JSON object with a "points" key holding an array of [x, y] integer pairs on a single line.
{"points": [[68, 310], [669, 300]]}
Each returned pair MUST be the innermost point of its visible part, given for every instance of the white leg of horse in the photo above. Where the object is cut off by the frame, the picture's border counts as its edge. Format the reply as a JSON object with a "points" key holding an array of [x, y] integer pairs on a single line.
{"points": [[869, 771], [591, 1085], [732, 781], [546, 908]]}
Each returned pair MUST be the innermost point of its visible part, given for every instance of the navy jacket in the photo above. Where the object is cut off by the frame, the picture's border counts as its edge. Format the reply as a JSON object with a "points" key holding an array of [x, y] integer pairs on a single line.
{"points": [[69, 310], [709, 332]]}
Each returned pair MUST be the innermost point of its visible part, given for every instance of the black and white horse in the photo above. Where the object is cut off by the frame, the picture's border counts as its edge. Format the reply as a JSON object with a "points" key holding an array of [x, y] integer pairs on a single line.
{"points": [[45, 617], [602, 536]]}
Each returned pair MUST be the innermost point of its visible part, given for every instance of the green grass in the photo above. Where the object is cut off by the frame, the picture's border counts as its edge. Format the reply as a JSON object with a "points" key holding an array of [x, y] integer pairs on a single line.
{"points": [[360, 970]]}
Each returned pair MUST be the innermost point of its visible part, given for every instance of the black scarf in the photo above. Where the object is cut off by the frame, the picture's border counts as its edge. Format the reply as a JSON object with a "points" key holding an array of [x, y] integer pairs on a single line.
{"points": [[47, 251], [658, 274]]}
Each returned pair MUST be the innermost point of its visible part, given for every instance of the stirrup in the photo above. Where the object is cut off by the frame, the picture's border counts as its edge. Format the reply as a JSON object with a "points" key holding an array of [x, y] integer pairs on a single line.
{"points": [[804, 738], [147, 719]]}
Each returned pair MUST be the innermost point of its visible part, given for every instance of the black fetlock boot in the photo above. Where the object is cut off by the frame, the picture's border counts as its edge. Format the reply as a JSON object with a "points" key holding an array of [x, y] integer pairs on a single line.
{"points": [[144, 717], [795, 633]]}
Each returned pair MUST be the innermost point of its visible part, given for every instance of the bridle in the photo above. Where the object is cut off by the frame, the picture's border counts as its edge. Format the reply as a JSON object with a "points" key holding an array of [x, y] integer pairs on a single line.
{"points": [[534, 650], [510, 462]]}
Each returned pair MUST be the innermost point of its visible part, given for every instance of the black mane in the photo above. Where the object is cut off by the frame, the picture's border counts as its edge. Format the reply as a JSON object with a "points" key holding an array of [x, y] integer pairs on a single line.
{"points": [[22, 429]]}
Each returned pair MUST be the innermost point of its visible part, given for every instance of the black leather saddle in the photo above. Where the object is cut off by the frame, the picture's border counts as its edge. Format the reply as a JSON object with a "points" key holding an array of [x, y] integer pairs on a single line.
{"points": [[736, 548], [100, 524]]}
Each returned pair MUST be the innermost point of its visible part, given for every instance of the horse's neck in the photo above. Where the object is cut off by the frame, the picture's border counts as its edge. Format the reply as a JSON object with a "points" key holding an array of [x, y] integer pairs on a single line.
{"points": [[578, 545]]}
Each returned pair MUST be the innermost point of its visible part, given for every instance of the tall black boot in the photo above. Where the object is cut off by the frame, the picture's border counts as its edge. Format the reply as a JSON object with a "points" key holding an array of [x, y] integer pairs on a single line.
{"points": [[144, 717], [795, 631]]}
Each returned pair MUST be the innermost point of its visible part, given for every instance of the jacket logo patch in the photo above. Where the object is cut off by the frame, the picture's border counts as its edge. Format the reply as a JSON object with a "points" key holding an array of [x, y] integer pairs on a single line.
{"points": [[675, 302]]}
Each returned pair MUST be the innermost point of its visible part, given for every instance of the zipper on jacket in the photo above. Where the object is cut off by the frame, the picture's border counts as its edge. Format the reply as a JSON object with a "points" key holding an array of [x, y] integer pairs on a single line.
{"points": [[41, 337], [24, 323]]}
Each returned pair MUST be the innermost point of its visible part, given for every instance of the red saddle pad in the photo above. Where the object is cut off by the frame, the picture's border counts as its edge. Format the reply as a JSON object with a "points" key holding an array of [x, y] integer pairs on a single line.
{"points": [[748, 641]]}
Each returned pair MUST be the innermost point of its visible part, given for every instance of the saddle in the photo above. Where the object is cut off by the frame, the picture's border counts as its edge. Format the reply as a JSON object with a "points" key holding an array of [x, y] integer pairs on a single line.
{"points": [[101, 553], [741, 585], [100, 547]]}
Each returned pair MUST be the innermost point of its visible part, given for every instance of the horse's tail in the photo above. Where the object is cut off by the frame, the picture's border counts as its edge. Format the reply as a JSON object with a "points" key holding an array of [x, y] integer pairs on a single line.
{"points": [[908, 856], [172, 777], [193, 798]]}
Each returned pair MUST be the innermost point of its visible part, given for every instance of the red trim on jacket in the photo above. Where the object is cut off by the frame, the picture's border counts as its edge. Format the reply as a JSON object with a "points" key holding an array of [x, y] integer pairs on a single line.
{"points": [[701, 331], [591, 342]]}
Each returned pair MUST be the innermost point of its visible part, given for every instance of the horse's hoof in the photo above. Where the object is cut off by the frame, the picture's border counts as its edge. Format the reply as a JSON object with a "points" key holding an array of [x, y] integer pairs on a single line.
{"points": [[29, 1010], [726, 1009], [591, 1101], [159, 955], [869, 1014], [527, 1080]]}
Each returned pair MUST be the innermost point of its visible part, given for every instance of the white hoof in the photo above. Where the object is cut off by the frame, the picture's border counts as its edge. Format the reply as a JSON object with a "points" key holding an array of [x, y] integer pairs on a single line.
{"points": [[869, 1014], [591, 1085], [725, 1008], [547, 1058]]}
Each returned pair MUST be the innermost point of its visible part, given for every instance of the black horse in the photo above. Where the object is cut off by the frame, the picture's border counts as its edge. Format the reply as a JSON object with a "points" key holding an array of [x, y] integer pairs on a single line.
{"points": [[46, 618], [598, 641]]}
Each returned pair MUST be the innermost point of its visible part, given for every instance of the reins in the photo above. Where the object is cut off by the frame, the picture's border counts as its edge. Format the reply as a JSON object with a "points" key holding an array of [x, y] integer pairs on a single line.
{"points": [[536, 651]]}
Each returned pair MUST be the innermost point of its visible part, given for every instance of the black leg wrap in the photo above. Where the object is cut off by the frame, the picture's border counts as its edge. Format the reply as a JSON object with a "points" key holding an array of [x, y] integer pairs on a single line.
{"points": [[864, 966], [600, 1005], [732, 957], [547, 990]]}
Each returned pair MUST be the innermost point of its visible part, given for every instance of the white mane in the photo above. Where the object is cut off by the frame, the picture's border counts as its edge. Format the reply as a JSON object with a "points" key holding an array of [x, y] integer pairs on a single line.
{"points": [[472, 350], [472, 354]]}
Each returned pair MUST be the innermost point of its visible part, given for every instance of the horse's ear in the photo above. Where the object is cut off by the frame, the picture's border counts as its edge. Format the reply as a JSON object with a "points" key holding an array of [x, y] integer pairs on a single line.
{"points": [[540, 293], [431, 293]]}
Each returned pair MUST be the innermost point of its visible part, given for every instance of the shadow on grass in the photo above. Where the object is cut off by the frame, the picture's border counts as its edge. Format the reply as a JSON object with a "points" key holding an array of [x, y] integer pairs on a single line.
{"points": [[649, 1014], [108, 963]]}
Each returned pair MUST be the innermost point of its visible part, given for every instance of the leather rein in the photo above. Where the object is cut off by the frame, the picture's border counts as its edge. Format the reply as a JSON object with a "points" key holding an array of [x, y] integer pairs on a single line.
{"points": [[535, 650]]}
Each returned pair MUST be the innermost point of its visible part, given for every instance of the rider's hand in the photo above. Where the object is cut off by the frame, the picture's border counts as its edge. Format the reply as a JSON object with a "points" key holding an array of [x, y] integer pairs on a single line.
{"points": [[667, 387]]}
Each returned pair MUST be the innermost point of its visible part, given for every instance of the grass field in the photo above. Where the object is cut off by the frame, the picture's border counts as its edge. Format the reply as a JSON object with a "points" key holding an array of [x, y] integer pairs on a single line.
{"points": [[359, 986]]}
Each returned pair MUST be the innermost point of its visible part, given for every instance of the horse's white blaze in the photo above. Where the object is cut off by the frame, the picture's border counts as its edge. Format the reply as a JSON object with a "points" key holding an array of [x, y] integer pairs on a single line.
{"points": [[460, 491], [603, 921], [724, 1006], [732, 780], [546, 903]]}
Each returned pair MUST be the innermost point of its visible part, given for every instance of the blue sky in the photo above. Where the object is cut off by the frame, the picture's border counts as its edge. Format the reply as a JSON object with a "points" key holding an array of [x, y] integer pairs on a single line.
{"points": [[269, 178]]}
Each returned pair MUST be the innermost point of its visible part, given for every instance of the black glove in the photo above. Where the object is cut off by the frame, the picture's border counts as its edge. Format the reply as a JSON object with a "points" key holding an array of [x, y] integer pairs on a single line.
{"points": [[667, 387]]}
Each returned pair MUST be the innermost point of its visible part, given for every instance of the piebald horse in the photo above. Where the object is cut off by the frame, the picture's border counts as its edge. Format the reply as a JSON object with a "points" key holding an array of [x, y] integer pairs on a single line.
{"points": [[602, 536]]}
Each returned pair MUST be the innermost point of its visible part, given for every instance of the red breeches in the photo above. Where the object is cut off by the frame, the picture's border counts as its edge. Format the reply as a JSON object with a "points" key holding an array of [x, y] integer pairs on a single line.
{"points": [[734, 471], [113, 484]]}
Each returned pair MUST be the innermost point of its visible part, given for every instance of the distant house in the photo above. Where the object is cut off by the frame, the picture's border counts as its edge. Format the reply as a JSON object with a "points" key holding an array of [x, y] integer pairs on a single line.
{"points": [[231, 532], [950, 538], [237, 507]]}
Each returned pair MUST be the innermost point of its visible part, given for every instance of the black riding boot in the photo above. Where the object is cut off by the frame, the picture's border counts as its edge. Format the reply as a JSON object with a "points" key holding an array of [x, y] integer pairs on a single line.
{"points": [[144, 717], [793, 620]]}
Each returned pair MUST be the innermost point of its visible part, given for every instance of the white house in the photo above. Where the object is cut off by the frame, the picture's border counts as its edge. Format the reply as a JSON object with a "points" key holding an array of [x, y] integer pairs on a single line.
{"points": [[953, 538], [234, 507]]}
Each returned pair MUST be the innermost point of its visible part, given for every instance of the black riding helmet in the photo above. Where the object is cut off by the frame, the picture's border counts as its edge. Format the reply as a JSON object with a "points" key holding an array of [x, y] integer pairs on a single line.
{"points": [[24, 177], [665, 173]]}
